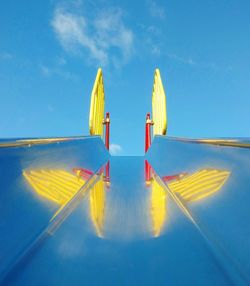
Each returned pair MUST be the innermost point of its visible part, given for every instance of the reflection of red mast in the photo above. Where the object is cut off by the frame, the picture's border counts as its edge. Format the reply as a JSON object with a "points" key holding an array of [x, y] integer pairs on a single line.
{"points": [[173, 177], [166, 179], [149, 123], [106, 122], [81, 172], [147, 172]]}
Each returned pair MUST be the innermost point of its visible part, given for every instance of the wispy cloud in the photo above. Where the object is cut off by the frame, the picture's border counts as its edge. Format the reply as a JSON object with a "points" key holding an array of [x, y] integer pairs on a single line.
{"points": [[115, 149], [154, 30], [61, 61], [188, 61], [150, 39], [56, 71], [96, 37], [156, 51], [50, 108], [156, 10], [6, 56], [191, 62]]}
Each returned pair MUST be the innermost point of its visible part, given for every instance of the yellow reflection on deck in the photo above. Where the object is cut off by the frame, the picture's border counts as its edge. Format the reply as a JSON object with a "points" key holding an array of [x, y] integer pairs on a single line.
{"points": [[158, 207], [60, 186], [97, 206], [55, 185], [200, 184]]}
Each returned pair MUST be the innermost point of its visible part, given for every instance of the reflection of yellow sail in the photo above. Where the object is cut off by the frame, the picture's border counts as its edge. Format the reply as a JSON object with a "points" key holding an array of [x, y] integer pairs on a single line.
{"points": [[97, 206], [158, 204], [55, 185], [200, 184]]}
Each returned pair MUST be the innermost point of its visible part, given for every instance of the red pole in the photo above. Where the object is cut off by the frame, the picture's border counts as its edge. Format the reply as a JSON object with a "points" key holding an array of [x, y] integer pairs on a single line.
{"points": [[106, 122], [149, 122]]}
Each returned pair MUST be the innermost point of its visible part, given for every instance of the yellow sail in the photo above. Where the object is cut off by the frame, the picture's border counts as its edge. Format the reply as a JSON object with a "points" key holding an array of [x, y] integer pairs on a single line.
{"points": [[159, 106], [96, 114]]}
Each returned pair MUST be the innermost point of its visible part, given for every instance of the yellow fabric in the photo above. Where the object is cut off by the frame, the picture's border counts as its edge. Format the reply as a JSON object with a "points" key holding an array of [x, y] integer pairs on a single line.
{"points": [[159, 106], [96, 114]]}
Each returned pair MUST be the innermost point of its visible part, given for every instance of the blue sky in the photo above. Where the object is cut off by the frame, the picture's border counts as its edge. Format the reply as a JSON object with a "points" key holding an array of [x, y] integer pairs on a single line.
{"points": [[50, 52]]}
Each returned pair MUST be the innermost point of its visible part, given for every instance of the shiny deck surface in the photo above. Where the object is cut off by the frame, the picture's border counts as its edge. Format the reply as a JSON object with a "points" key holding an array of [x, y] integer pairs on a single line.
{"points": [[222, 216], [65, 221], [25, 215]]}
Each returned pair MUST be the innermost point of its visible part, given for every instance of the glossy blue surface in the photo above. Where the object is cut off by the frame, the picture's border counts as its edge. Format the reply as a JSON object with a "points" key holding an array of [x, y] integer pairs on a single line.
{"points": [[223, 217], [24, 214], [128, 253], [124, 229]]}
